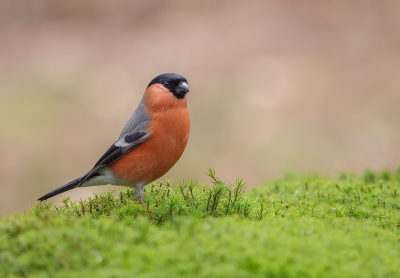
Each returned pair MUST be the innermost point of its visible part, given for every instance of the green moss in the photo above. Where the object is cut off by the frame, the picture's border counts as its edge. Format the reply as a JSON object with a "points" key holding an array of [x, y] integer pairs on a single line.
{"points": [[297, 227]]}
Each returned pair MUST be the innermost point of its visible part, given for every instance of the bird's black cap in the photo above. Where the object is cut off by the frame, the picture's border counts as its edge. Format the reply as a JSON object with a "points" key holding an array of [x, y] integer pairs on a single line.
{"points": [[175, 83]]}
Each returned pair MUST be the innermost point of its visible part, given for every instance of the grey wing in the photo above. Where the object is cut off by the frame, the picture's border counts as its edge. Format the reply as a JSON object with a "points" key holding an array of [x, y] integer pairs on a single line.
{"points": [[133, 134], [115, 152]]}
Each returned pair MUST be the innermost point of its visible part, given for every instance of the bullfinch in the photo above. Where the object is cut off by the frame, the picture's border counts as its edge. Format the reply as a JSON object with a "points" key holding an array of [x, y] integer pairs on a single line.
{"points": [[150, 144]]}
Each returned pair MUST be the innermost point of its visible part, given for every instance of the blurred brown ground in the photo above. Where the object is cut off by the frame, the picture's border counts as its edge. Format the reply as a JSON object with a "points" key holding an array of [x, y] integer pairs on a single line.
{"points": [[305, 86]]}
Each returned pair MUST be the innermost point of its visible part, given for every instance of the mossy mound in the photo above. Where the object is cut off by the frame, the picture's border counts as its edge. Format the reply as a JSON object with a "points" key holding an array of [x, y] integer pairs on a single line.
{"points": [[295, 227]]}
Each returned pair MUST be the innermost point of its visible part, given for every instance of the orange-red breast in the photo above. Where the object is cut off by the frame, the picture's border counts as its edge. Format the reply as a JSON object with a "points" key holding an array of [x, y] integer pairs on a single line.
{"points": [[151, 142]]}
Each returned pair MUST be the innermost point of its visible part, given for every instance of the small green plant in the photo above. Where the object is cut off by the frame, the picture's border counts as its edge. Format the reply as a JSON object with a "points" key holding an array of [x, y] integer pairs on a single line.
{"points": [[369, 176]]}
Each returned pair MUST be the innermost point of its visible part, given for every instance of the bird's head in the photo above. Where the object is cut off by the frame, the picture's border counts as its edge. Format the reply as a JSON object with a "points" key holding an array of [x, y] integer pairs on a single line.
{"points": [[173, 82]]}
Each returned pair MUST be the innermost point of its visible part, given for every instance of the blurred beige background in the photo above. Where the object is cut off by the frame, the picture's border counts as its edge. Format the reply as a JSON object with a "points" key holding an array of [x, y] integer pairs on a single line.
{"points": [[275, 86]]}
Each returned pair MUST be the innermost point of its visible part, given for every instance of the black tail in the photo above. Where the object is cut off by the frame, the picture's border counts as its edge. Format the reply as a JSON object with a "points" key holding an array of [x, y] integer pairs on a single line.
{"points": [[64, 188]]}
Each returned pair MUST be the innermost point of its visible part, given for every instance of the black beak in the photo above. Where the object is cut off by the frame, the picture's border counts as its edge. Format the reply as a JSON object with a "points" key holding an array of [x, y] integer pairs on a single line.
{"points": [[182, 88]]}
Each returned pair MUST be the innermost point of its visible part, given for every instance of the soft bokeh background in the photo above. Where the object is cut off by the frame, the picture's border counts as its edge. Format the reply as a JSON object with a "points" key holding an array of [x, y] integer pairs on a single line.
{"points": [[305, 86]]}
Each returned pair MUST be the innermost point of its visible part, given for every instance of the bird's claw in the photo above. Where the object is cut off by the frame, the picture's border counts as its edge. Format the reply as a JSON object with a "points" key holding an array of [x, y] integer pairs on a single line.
{"points": [[142, 203]]}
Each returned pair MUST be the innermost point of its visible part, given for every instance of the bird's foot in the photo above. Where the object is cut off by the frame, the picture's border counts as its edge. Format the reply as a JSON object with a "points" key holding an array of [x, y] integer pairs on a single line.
{"points": [[142, 203]]}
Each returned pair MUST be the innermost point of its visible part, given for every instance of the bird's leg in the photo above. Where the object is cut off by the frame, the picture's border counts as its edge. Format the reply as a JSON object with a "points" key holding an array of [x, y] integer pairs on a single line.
{"points": [[139, 193]]}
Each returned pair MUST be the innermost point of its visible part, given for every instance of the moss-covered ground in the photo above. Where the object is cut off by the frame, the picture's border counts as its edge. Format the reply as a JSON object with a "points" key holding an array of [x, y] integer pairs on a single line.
{"points": [[294, 227]]}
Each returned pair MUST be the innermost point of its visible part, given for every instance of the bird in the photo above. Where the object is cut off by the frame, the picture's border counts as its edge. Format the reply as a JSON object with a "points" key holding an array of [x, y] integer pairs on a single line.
{"points": [[150, 144]]}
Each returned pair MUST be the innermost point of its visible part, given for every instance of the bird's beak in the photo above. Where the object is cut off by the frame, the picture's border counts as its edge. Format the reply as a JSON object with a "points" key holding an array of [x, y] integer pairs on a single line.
{"points": [[182, 88]]}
